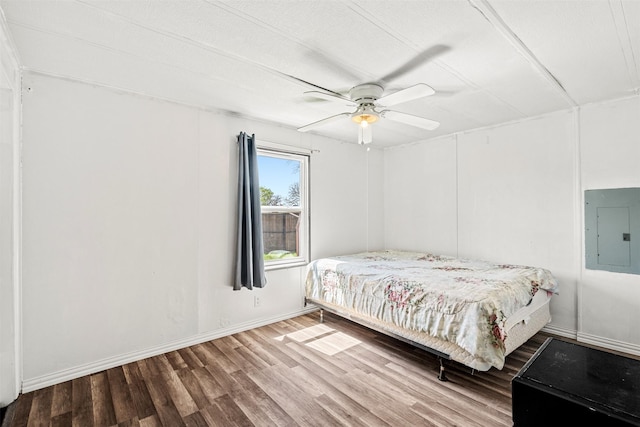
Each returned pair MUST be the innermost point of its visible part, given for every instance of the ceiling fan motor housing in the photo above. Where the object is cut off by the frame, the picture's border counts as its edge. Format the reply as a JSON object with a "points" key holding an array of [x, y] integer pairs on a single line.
{"points": [[366, 93]]}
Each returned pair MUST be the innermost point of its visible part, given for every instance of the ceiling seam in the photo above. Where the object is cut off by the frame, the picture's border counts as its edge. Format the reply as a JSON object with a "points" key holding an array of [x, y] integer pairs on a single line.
{"points": [[117, 51], [269, 27], [201, 45], [619, 17], [490, 14], [117, 88], [566, 111], [7, 36], [371, 18], [158, 98], [474, 86], [168, 34]]}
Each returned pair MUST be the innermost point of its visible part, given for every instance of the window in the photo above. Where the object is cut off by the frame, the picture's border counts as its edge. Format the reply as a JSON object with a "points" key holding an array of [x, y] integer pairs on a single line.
{"points": [[284, 200]]}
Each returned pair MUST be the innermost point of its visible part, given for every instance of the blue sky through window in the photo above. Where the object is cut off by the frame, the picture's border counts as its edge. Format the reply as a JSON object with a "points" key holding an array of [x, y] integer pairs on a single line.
{"points": [[278, 174]]}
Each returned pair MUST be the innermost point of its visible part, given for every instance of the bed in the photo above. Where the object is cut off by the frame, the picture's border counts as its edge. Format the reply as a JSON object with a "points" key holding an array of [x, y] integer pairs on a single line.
{"points": [[470, 311]]}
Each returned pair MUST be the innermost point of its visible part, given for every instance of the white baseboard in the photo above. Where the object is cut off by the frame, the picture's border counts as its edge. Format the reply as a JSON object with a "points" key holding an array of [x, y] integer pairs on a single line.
{"points": [[36, 383], [596, 340], [621, 346], [567, 333]]}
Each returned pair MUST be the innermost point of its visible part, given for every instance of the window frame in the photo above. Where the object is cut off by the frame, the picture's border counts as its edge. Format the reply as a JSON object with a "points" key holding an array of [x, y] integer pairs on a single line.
{"points": [[273, 150]]}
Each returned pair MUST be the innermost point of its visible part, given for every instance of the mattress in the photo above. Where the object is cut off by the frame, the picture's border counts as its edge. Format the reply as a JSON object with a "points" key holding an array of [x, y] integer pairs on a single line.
{"points": [[464, 308]]}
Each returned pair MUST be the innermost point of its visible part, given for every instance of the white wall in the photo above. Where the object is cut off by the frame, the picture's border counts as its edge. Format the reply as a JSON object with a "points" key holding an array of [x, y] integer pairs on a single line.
{"points": [[9, 220], [513, 193], [517, 204], [420, 197], [610, 158], [129, 216], [351, 204]]}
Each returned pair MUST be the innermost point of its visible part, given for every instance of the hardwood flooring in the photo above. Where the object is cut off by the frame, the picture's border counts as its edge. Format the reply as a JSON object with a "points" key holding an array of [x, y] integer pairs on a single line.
{"points": [[297, 372]]}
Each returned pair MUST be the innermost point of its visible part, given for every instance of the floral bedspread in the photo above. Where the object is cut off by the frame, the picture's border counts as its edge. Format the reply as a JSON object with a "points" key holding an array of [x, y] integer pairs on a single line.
{"points": [[457, 300]]}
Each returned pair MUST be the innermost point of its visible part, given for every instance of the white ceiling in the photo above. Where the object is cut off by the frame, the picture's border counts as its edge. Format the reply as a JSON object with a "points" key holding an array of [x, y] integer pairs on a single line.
{"points": [[489, 61]]}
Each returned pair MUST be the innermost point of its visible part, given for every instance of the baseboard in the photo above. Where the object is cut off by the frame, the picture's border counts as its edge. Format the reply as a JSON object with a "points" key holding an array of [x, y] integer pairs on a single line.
{"points": [[111, 362], [608, 343], [554, 330], [595, 340]]}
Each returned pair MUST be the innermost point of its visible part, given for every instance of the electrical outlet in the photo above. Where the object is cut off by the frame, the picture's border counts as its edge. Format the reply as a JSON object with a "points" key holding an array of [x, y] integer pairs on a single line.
{"points": [[256, 301]]}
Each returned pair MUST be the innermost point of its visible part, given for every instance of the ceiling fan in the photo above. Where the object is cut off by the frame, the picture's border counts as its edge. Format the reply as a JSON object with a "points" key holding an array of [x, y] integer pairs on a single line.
{"points": [[369, 100], [370, 105]]}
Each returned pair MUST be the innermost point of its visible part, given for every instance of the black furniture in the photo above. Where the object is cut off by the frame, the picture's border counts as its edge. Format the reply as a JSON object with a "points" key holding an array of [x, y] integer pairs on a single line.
{"points": [[567, 384]]}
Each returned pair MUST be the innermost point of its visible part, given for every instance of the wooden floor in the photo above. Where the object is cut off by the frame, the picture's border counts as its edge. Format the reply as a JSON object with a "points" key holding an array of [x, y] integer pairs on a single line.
{"points": [[297, 372]]}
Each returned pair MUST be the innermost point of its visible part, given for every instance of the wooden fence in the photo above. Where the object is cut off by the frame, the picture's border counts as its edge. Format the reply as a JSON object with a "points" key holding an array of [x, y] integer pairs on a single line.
{"points": [[280, 232]]}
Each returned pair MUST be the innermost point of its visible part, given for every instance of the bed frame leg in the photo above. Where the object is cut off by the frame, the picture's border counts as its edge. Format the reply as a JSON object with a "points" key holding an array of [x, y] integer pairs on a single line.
{"points": [[321, 316], [442, 375]]}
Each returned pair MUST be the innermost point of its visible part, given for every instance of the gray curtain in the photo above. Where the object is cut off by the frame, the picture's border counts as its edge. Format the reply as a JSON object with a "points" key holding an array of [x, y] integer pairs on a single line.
{"points": [[249, 257]]}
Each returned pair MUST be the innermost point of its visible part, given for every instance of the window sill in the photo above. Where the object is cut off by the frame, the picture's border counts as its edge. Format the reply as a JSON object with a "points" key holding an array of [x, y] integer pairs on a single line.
{"points": [[282, 265]]}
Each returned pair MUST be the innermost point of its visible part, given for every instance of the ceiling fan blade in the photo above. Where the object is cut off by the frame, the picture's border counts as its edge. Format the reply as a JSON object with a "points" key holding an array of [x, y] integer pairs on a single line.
{"points": [[298, 80], [405, 95], [410, 119], [334, 65], [330, 97], [422, 57], [365, 135], [323, 122]]}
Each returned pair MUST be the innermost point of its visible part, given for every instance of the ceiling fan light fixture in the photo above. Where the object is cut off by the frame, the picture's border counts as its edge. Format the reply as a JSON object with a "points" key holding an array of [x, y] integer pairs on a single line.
{"points": [[365, 119], [365, 116]]}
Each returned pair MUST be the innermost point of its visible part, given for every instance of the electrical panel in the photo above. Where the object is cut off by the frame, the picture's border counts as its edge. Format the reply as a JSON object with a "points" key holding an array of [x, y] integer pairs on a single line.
{"points": [[612, 230]]}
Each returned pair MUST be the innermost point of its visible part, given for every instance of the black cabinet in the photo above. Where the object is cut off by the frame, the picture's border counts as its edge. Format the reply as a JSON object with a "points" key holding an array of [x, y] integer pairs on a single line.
{"points": [[566, 382]]}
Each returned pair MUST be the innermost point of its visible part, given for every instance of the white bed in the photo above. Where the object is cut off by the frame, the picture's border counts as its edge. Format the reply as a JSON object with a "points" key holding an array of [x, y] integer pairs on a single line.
{"points": [[471, 311]]}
